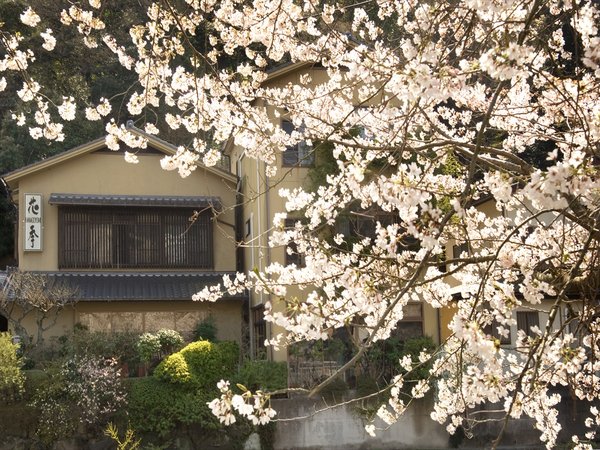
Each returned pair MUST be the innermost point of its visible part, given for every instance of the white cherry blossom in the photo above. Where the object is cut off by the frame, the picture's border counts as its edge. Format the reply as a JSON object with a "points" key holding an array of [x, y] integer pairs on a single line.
{"points": [[439, 135]]}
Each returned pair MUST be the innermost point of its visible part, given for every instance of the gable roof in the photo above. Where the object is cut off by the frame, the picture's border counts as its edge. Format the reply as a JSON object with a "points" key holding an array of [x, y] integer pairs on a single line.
{"points": [[98, 144]]}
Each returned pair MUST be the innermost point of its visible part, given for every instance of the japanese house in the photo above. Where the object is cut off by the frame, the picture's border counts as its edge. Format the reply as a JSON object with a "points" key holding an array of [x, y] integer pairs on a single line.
{"points": [[133, 241]]}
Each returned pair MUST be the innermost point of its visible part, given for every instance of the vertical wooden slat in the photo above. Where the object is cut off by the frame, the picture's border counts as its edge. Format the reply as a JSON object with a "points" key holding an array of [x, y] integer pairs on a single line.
{"points": [[119, 237]]}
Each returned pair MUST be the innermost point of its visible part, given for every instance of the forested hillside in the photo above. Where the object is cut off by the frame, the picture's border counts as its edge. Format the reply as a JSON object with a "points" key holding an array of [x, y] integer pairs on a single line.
{"points": [[70, 69]]}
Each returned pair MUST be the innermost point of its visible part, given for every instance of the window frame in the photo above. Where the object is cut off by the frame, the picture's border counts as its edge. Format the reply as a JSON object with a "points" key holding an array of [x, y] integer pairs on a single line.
{"points": [[492, 330], [524, 323], [411, 320], [301, 153], [134, 237]]}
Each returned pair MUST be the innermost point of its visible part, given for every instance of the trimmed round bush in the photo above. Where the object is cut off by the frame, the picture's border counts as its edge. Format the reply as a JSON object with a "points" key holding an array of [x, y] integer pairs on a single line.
{"points": [[205, 362], [174, 369]]}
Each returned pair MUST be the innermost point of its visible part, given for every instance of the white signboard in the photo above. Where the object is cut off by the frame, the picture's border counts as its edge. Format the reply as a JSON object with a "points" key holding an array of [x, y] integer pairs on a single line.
{"points": [[33, 222]]}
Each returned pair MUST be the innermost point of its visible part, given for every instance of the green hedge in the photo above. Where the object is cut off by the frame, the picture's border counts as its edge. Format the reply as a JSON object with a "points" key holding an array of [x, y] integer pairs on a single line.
{"points": [[182, 385], [263, 375], [158, 407], [200, 365]]}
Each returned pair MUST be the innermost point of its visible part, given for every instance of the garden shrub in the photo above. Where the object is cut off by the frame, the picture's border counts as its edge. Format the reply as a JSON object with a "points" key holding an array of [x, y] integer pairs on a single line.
{"points": [[170, 341], [57, 414], [264, 375], [35, 379], [121, 345], [413, 347], [206, 362], [158, 407], [96, 388], [174, 369], [267, 376], [84, 390], [266, 434], [365, 385], [335, 390], [57, 420], [206, 330], [382, 361], [148, 346], [11, 377], [153, 346]]}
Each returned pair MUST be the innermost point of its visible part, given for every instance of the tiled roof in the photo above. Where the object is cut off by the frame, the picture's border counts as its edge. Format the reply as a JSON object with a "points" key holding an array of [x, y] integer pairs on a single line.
{"points": [[134, 200], [138, 286]]}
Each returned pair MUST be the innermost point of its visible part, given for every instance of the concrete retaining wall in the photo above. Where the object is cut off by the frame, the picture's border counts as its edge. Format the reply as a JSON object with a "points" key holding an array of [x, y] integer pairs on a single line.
{"points": [[344, 428]]}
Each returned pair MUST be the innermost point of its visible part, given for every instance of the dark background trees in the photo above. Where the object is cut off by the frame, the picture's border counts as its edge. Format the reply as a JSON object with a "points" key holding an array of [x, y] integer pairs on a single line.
{"points": [[71, 69]]}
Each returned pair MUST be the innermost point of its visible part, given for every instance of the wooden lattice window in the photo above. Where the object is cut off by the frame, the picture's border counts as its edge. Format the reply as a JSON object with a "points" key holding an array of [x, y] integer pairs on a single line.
{"points": [[99, 237]]}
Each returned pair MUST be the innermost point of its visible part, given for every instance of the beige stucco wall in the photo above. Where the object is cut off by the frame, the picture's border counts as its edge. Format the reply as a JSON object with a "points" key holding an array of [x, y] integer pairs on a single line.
{"points": [[447, 313], [108, 173], [262, 201], [182, 316], [60, 324]]}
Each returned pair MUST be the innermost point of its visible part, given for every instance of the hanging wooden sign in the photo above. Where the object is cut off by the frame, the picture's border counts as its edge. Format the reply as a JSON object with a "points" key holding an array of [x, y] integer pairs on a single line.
{"points": [[32, 236]]}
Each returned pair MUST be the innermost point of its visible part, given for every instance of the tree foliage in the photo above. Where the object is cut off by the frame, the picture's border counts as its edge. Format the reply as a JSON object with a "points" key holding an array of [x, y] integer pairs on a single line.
{"points": [[504, 93], [12, 379]]}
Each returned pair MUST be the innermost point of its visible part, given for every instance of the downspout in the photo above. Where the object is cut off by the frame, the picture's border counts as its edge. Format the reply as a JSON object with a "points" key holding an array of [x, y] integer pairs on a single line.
{"points": [[439, 326], [268, 251], [240, 198], [259, 236]]}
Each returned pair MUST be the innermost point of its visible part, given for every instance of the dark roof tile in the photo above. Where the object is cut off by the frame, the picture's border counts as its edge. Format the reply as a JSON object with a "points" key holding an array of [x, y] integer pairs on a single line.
{"points": [[137, 286], [134, 200]]}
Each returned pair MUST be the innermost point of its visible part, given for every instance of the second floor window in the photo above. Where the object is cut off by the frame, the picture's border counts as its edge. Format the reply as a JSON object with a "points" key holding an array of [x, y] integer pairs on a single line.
{"points": [[526, 320], [492, 330], [291, 252], [411, 325], [99, 237], [300, 154]]}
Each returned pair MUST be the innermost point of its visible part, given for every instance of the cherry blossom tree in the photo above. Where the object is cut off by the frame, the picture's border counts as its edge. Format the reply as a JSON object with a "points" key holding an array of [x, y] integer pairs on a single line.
{"points": [[428, 109], [36, 297]]}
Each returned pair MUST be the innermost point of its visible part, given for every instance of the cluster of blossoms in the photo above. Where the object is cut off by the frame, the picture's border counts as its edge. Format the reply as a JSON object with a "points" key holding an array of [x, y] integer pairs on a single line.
{"points": [[96, 386], [254, 407], [427, 109], [86, 391]]}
